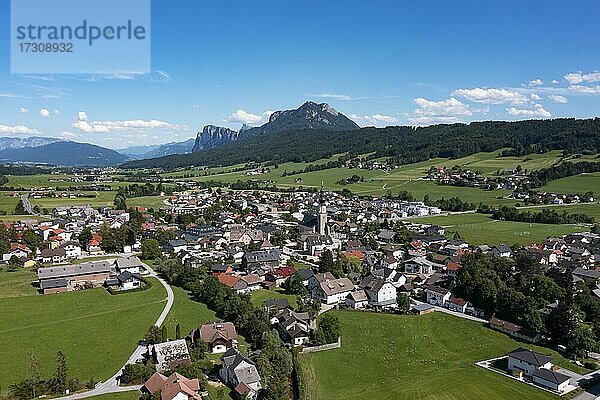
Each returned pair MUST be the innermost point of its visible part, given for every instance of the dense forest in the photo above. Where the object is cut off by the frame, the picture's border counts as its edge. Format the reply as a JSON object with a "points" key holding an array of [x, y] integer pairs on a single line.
{"points": [[545, 175], [404, 144]]}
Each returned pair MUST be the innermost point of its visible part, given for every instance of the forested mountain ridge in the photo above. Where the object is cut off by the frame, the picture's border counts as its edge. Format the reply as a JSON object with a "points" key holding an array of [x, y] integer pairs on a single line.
{"points": [[403, 143]]}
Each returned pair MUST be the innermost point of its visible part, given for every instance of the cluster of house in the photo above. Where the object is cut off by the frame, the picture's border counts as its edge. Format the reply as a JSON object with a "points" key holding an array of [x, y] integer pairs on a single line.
{"points": [[237, 370], [540, 197], [510, 180], [122, 273]]}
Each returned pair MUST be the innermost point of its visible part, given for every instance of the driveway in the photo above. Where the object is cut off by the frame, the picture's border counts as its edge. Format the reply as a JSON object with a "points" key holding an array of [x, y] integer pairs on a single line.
{"points": [[111, 385]]}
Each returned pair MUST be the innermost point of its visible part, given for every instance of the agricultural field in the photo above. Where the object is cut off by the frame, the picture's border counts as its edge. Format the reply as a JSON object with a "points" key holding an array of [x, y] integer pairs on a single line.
{"points": [[405, 178], [480, 229], [431, 357], [17, 283], [95, 330], [7, 205]]}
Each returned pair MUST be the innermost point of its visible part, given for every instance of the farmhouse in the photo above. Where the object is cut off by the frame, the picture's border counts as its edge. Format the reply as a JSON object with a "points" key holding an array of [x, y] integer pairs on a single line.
{"points": [[94, 273], [357, 299], [457, 304], [421, 265], [437, 296], [262, 259], [175, 387], [219, 336], [240, 373], [515, 330], [379, 292], [294, 327], [332, 291], [528, 361]]}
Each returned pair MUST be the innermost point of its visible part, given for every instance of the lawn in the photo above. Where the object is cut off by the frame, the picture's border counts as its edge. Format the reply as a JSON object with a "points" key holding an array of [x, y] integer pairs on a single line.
{"points": [[429, 357], [17, 283], [95, 330], [479, 228], [187, 312], [259, 297], [130, 395]]}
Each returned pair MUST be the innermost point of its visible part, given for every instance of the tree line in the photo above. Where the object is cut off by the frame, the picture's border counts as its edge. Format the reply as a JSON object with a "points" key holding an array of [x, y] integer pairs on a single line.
{"points": [[403, 144]]}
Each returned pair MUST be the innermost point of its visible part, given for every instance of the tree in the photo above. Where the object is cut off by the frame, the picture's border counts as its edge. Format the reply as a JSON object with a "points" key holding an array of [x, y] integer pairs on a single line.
{"points": [[164, 333], [328, 329], [32, 239], [154, 335], [151, 249], [403, 302], [60, 374], [120, 201], [85, 236], [20, 209], [326, 263], [34, 373]]}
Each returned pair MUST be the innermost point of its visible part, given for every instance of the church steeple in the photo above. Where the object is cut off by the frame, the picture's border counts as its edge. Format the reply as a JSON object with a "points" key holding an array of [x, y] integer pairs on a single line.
{"points": [[322, 225]]}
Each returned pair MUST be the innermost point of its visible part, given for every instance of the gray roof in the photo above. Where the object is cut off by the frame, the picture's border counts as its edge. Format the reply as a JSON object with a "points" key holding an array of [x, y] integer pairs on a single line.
{"points": [[128, 262], [586, 273], [530, 357], [550, 376], [74, 270], [335, 286], [233, 358], [263, 256], [53, 283]]}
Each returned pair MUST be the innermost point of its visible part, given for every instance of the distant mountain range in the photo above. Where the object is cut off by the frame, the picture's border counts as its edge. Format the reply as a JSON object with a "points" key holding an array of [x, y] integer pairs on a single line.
{"points": [[159, 150], [64, 153], [18, 142]]}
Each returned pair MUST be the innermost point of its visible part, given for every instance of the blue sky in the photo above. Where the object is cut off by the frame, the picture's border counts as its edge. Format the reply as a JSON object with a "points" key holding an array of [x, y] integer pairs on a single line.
{"points": [[380, 62]]}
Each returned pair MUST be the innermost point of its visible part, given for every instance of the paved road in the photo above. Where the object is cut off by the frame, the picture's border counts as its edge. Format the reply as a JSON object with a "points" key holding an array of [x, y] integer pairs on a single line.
{"points": [[26, 203], [591, 393], [455, 313], [111, 385]]}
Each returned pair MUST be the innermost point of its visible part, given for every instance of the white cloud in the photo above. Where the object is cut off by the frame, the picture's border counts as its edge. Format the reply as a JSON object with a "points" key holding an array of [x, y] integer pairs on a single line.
{"points": [[554, 81], [335, 96], [18, 130], [44, 112], [580, 89], [164, 74], [23, 110], [448, 107], [534, 96], [56, 112], [536, 82], [557, 98], [373, 119], [246, 117], [67, 135], [84, 124], [491, 96], [425, 121], [536, 111], [577, 77]]}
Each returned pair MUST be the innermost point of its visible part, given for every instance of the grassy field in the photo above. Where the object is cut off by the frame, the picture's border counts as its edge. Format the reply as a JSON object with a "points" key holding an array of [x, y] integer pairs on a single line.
{"points": [[417, 357], [259, 297], [406, 177], [17, 283], [593, 210], [575, 184], [188, 313], [130, 395], [95, 330], [479, 228]]}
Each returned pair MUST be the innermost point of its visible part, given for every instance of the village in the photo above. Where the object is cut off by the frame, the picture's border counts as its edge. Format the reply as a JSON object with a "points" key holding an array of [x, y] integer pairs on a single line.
{"points": [[330, 251]]}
